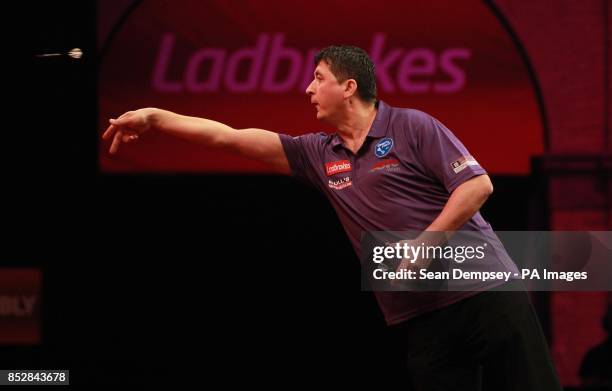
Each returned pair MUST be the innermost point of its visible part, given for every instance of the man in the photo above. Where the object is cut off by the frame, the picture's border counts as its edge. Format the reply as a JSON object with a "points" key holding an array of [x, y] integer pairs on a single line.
{"points": [[395, 169], [596, 367]]}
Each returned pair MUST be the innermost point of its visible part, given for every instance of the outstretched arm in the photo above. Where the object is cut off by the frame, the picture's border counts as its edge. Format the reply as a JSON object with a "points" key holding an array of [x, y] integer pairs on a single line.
{"points": [[258, 144]]}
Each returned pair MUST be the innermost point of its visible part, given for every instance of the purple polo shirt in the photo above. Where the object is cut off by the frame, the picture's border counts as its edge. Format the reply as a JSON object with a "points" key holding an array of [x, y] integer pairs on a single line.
{"points": [[400, 180]]}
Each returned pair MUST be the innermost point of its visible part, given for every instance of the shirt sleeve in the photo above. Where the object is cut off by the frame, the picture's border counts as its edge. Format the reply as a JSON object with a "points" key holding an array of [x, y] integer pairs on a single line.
{"points": [[443, 155], [303, 153]]}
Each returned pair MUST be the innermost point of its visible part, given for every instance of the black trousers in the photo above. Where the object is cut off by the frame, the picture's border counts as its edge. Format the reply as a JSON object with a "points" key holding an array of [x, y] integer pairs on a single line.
{"points": [[491, 341]]}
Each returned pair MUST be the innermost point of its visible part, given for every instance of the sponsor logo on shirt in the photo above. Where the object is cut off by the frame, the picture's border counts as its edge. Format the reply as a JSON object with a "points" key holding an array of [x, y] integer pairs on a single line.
{"points": [[340, 183], [461, 163], [383, 147], [387, 165], [337, 167]]}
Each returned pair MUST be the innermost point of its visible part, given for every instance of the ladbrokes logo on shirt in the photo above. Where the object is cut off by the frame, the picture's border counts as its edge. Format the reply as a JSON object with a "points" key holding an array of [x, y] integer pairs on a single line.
{"points": [[340, 183], [337, 167]]}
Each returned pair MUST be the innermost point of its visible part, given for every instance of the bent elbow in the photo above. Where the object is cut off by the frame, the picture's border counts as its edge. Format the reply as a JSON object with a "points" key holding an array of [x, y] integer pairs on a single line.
{"points": [[483, 186], [488, 188]]}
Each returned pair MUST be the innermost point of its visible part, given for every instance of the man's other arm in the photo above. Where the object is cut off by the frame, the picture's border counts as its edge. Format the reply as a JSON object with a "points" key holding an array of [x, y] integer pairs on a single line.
{"points": [[463, 203]]}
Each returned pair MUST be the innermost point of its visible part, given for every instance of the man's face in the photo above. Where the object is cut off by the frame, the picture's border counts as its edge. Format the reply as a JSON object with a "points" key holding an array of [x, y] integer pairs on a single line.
{"points": [[325, 92]]}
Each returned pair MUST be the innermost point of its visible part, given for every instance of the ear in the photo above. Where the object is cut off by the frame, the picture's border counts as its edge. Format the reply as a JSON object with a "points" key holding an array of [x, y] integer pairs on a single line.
{"points": [[350, 88]]}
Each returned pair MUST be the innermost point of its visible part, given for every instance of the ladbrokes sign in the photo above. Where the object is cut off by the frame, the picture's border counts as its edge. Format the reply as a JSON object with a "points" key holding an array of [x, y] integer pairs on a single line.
{"points": [[248, 64], [210, 69]]}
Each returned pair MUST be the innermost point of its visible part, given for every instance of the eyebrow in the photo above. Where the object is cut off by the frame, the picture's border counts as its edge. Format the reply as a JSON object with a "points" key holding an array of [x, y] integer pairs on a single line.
{"points": [[317, 73]]}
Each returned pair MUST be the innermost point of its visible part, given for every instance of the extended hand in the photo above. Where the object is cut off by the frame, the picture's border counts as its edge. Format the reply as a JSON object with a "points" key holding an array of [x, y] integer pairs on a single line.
{"points": [[127, 128]]}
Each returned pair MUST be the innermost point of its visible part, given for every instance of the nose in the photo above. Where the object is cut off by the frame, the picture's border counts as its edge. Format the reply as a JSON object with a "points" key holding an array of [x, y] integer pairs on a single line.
{"points": [[309, 89]]}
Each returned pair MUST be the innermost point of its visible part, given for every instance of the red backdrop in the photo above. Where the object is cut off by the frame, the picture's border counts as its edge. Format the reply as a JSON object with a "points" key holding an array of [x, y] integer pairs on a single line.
{"points": [[248, 65]]}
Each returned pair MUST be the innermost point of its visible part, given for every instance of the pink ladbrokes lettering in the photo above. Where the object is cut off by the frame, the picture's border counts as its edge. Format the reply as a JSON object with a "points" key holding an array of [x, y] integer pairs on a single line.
{"points": [[271, 66]]}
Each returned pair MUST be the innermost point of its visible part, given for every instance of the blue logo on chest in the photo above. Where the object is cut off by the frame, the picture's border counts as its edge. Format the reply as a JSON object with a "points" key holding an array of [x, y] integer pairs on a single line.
{"points": [[383, 147]]}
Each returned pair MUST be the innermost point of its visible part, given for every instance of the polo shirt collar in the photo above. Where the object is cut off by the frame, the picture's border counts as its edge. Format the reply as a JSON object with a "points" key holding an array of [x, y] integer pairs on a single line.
{"points": [[379, 126]]}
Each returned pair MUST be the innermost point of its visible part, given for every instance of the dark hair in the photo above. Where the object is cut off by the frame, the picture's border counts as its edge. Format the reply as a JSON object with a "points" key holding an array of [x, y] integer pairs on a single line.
{"points": [[351, 62]]}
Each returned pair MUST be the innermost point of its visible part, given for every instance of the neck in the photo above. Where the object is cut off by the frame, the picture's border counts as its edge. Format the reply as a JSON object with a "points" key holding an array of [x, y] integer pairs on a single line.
{"points": [[355, 123]]}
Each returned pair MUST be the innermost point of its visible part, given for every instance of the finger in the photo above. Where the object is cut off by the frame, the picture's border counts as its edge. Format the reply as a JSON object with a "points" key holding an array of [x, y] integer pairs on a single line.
{"points": [[116, 142], [123, 119], [126, 114], [129, 137], [109, 132]]}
